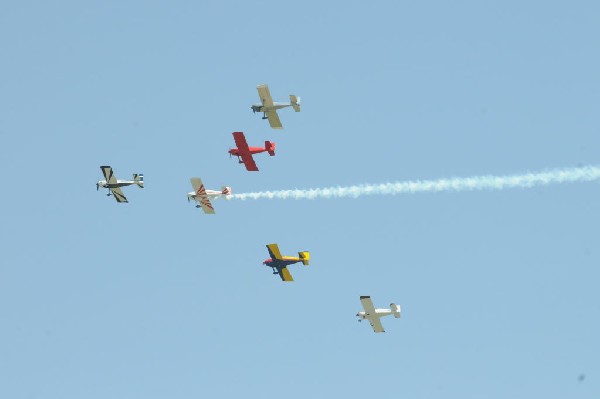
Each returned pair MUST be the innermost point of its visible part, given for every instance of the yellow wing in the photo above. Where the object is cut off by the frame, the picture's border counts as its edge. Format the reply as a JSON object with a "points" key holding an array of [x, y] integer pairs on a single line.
{"points": [[274, 120], [264, 95], [274, 251], [285, 275]]}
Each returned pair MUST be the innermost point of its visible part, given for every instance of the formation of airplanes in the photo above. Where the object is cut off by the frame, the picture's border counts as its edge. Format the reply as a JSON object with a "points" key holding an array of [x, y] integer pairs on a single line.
{"points": [[203, 197]]}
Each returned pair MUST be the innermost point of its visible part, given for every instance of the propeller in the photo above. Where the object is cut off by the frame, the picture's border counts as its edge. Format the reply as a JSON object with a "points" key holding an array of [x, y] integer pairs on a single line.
{"points": [[97, 186]]}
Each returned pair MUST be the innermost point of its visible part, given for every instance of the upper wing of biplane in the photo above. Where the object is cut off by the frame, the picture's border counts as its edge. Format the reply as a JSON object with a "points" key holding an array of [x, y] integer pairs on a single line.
{"points": [[244, 151], [265, 95], [118, 194], [274, 119], [370, 311], [109, 176], [201, 193]]}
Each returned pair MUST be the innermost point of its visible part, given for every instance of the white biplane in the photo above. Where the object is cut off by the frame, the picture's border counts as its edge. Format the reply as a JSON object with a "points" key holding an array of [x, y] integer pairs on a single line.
{"points": [[114, 186], [203, 196], [269, 108], [374, 315]]}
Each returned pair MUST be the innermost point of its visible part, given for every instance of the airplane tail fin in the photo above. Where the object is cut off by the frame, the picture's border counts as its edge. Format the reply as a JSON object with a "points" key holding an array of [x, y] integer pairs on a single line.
{"points": [[295, 102], [270, 147], [395, 310], [139, 179], [305, 257], [226, 190]]}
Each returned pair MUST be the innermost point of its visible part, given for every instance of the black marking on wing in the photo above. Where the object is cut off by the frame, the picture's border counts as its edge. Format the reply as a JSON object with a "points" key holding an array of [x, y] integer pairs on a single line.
{"points": [[119, 197]]}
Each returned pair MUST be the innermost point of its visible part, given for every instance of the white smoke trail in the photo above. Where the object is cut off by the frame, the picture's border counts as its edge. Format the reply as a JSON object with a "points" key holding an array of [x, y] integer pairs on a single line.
{"points": [[527, 180]]}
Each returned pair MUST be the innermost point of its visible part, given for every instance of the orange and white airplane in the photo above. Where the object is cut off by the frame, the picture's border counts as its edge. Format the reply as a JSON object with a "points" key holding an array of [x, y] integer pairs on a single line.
{"points": [[203, 196]]}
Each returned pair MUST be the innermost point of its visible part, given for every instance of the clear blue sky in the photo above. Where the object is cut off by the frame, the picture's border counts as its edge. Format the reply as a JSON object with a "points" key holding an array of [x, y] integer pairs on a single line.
{"points": [[154, 299]]}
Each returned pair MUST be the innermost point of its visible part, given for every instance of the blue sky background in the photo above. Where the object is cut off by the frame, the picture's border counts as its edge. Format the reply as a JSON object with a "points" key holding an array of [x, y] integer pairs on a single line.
{"points": [[154, 299]]}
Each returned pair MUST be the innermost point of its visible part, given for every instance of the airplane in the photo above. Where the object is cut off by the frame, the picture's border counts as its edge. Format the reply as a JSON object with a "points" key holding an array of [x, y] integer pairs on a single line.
{"points": [[374, 315], [244, 153], [269, 108], [203, 196], [114, 185], [280, 263]]}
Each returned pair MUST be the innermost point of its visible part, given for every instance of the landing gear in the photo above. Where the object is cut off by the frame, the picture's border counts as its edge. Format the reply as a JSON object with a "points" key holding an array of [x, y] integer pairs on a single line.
{"points": [[197, 206]]}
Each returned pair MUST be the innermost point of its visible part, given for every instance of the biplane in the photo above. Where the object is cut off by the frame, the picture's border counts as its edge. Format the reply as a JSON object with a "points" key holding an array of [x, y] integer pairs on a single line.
{"points": [[203, 196], [244, 153], [374, 315], [114, 186], [269, 108], [280, 263]]}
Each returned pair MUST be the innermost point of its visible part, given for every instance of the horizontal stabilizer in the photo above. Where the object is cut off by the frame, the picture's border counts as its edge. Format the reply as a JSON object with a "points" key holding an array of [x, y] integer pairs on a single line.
{"points": [[138, 178], [305, 257], [295, 101]]}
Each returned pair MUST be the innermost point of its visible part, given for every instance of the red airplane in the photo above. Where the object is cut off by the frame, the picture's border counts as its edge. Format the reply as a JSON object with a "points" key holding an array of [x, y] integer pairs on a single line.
{"points": [[244, 153]]}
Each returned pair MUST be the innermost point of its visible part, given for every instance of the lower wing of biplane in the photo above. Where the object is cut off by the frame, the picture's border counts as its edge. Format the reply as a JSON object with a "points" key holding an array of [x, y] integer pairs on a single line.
{"points": [[201, 196]]}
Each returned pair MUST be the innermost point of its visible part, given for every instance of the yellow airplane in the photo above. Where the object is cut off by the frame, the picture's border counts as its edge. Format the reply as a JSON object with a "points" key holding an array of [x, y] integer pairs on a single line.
{"points": [[280, 263]]}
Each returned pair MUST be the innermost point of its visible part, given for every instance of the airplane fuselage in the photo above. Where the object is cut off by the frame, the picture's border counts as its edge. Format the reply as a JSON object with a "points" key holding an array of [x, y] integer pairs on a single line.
{"points": [[287, 260], [378, 313], [120, 183], [264, 108], [253, 150], [212, 194]]}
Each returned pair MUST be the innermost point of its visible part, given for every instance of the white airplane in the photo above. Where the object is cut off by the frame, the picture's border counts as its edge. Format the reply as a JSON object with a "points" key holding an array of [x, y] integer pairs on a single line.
{"points": [[374, 315], [269, 108], [114, 186], [203, 196]]}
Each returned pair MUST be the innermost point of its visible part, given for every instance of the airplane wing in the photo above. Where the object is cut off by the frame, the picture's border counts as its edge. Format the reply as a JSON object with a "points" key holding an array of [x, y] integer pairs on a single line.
{"points": [[370, 311], [265, 95], [118, 194], [367, 305], [201, 192], [242, 145], [376, 324], [285, 275], [274, 119], [274, 251], [109, 176], [249, 163]]}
